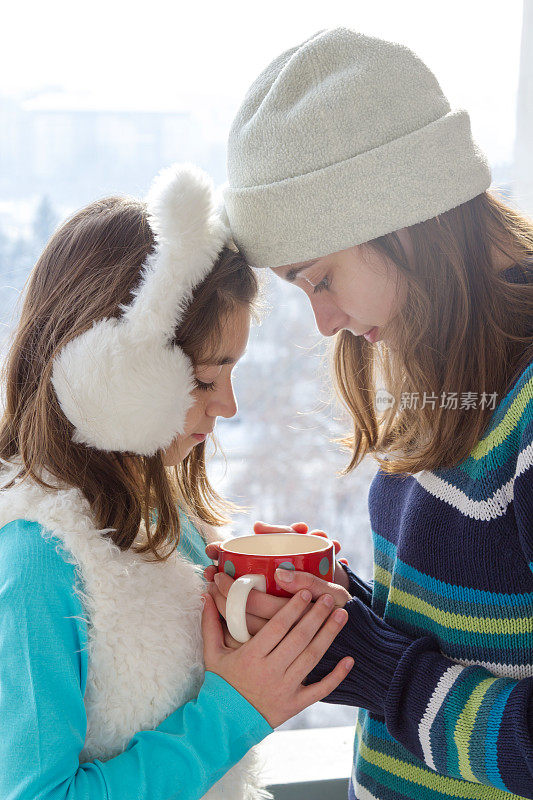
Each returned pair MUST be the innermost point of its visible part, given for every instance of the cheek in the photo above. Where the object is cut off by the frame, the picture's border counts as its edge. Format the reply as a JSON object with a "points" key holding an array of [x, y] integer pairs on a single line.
{"points": [[195, 413], [182, 445], [395, 293], [359, 296], [374, 297]]}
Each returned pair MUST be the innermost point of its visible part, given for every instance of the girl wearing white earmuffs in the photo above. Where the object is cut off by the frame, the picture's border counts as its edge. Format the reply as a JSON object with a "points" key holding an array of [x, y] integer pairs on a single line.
{"points": [[119, 366]]}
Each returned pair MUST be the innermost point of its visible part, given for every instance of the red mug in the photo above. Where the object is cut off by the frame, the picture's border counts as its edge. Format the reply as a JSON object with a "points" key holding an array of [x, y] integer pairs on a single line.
{"points": [[253, 560]]}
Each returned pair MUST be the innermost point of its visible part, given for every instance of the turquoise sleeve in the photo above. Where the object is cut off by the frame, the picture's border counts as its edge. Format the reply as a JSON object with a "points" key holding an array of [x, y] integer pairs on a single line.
{"points": [[43, 673]]}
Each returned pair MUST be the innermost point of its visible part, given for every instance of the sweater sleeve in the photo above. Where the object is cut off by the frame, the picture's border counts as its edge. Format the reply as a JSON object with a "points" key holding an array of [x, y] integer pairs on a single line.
{"points": [[463, 722], [43, 671], [357, 587]]}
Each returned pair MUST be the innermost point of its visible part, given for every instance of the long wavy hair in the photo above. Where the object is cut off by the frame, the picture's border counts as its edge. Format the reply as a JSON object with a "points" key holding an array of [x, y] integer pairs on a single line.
{"points": [[90, 266], [466, 326]]}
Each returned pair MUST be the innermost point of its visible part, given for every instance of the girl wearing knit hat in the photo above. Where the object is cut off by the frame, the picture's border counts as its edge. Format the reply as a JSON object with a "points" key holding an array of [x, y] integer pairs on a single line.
{"points": [[351, 177]]}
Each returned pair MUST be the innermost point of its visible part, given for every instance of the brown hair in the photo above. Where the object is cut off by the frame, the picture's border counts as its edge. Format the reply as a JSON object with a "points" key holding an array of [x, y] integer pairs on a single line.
{"points": [[464, 327], [91, 266]]}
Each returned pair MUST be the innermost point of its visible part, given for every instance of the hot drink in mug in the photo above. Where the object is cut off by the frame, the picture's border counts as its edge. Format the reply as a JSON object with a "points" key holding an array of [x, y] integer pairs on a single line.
{"points": [[253, 560]]}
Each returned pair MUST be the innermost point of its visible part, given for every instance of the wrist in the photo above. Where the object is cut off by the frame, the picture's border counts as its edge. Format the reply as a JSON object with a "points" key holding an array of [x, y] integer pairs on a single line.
{"points": [[231, 701], [357, 587], [378, 650], [341, 576]]}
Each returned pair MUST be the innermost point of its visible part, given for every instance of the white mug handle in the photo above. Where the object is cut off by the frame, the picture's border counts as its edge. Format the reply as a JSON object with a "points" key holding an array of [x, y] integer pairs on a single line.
{"points": [[236, 604]]}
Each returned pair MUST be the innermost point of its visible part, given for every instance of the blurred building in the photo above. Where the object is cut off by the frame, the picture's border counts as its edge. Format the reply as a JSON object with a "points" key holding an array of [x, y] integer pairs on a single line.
{"points": [[55, 144]]}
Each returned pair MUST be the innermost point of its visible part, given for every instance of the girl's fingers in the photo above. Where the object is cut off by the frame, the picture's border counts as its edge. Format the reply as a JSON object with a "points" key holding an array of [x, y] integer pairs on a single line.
{"points": [[308, 695], [276, 628], [264, 605], [294, 580], [259, 603], [212, 632], [212, 551], [210, 572], [325, 536], [318, 645], [253, 623], [264, 527], [305, 631], [220, 600], [300, 527], [223, 582], [229, 641]]}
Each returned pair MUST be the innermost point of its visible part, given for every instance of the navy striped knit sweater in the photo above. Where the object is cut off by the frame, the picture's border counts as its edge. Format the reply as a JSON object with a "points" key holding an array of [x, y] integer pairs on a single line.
{"points": [[443, 640]]}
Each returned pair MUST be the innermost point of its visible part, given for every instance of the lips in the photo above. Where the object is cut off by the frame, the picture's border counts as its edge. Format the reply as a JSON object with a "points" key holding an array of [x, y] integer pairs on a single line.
{"points": [[372, 335], [201, 435]]}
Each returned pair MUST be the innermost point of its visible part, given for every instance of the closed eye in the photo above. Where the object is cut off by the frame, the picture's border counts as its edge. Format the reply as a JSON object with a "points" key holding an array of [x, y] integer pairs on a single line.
{"points": [[204, 387], [323, 285]]}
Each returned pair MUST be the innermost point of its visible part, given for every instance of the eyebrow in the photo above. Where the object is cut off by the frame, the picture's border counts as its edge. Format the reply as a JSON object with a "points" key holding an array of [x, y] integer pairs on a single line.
{"points": [[293, 272]]}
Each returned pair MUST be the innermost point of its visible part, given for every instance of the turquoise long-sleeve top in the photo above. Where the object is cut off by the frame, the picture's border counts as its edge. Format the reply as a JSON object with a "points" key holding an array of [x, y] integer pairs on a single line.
{"points": [[43, 674]]}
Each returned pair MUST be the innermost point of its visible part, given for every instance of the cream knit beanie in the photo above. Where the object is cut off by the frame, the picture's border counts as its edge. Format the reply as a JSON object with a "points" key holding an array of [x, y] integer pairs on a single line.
{"points": [[339, 140]]}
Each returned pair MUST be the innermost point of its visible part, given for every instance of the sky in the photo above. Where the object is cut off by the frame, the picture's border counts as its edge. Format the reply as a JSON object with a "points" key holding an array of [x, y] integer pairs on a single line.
{"points": [[165, 55]]}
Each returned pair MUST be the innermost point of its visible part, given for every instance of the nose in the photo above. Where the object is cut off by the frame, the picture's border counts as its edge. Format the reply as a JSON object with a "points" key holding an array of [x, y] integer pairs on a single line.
{"points": [[329, 317], [223, 402]]}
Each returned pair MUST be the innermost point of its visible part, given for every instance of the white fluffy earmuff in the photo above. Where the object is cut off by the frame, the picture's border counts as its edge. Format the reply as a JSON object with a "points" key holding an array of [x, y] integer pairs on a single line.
{"points": [[121, 383]]}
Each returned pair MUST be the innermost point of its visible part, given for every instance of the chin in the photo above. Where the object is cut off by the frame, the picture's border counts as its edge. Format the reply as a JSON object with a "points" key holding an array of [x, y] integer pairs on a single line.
{"points": [[177, 452], [174, 460]]}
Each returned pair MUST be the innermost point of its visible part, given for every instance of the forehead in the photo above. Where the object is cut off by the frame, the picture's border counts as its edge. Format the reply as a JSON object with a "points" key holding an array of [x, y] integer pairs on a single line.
{"points": [[231, 339]]}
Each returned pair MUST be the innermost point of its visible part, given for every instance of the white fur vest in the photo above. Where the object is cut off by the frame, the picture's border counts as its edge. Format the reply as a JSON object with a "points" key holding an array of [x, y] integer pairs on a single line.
{"points": [[145, 654]]}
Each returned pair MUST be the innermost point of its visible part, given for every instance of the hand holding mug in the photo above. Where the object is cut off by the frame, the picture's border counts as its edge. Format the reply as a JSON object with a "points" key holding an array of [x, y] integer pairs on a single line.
{"points": [[253, 561], [339, 575], [307, 558], [269, 669], [262, 607]]}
